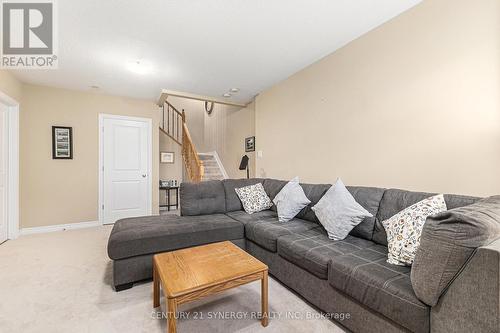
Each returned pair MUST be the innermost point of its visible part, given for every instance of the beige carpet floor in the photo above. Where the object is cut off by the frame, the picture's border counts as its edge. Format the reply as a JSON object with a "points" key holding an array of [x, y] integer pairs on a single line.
{"points": [[60, 282]]}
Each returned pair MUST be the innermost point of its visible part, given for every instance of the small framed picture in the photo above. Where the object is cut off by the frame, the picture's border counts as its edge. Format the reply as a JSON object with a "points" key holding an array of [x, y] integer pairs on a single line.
{"points": [[250, 144], [62, 143], [167, 157]]}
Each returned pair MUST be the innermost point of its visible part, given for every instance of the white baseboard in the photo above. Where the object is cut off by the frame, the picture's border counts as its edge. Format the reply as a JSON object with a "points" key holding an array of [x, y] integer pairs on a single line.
{"points": [[58, 227]]}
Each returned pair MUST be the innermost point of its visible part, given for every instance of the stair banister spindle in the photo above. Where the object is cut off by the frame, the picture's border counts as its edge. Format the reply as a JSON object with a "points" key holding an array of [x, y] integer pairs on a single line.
{"points": [[163, 117]]}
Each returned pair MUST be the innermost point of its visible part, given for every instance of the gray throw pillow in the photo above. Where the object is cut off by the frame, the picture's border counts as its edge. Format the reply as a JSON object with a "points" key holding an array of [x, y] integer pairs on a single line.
{"points": [[290, 200], [447, 242], [339, 212]]}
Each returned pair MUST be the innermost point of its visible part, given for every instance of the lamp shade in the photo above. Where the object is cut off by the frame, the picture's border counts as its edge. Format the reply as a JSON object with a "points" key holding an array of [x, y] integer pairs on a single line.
{"points": [[244, 162]]}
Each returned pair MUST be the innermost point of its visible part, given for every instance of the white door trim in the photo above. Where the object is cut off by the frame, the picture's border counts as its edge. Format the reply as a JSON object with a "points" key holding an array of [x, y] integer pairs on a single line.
{"points": [[12, 165], [149, 123]]}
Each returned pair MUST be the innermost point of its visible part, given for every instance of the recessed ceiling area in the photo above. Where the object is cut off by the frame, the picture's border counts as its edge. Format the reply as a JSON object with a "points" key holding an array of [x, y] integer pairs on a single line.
{"points": [[205, 47]]}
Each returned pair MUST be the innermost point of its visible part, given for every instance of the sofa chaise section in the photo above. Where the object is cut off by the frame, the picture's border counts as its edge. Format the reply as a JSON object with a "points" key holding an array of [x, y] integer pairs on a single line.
{"points": [[133, 241]]}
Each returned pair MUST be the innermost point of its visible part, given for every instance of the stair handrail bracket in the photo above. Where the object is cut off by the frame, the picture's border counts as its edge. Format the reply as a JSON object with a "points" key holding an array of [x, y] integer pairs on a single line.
{"points": [[173, 124]]}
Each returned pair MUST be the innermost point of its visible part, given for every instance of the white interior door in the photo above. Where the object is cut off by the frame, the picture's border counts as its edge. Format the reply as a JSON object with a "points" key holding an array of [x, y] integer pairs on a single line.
{"points": [[3, 172], [126, 149]]}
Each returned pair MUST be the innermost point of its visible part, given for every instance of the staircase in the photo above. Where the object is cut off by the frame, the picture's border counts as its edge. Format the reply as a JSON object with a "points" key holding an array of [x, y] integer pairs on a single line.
{"points": [[214, 170], [199, 166]]}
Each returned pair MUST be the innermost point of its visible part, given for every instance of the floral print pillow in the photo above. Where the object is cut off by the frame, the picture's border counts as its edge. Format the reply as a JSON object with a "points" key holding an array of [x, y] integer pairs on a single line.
{"points": [[253, 198], [405, 228]]}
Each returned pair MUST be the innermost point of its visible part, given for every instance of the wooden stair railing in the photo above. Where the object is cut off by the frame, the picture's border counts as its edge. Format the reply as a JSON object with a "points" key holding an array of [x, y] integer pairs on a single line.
{"points": [[174, 126]]}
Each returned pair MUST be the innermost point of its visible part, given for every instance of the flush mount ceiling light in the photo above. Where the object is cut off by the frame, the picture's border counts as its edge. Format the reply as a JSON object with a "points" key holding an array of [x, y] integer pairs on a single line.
{"points": [[234, 90], [226, 95], [139, 67], [94, 87]]}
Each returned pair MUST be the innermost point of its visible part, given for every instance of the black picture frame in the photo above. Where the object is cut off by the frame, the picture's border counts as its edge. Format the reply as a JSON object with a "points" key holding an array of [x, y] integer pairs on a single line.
{"points": [[62, 143], [250, 144]]}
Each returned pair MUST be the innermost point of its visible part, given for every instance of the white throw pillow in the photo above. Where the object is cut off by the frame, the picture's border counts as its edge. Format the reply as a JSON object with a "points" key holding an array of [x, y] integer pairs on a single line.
{"points": [[253, 198], [290, 200], [405, 228], [339, 212]]}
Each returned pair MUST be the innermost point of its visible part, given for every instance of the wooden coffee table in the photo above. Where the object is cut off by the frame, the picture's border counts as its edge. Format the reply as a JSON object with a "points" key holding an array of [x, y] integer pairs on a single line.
{"points": [[189, 274]]}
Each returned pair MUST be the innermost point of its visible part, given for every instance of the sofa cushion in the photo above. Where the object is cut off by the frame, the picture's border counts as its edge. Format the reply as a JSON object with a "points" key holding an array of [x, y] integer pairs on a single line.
{"points": [[395, 200], [202, 198], [273, 187], [368, 278], [152, 234], [266, 231], [369, 198], [314, 192], [448, 241], [312, 249], [244, 217], [233, 203]]}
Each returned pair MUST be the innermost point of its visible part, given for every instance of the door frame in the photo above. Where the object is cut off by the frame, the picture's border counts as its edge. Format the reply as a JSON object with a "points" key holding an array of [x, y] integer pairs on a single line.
{"points": [[12, 165], [149, 123]]}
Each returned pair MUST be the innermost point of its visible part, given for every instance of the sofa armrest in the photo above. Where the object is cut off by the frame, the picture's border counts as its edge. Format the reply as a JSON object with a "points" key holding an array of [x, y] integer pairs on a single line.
{"points": [[472, 301], [202, 198]]}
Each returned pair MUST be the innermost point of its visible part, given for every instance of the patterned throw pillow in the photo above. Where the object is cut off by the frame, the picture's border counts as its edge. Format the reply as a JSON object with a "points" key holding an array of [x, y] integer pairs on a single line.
{"points": [[290, 200], [405, 228], [253, 198]]}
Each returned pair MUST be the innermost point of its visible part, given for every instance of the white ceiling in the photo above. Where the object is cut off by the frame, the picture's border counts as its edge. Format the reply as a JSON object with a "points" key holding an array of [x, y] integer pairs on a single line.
{"points": [[201, 46]]}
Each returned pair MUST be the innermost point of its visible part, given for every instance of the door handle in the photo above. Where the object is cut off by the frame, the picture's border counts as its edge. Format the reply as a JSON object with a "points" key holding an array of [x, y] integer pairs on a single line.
{"points": [[144, 176]]}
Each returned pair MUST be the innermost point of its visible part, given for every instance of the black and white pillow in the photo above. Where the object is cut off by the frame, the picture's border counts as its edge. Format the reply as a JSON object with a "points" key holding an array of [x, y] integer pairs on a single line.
{"points": [[253, 198]]}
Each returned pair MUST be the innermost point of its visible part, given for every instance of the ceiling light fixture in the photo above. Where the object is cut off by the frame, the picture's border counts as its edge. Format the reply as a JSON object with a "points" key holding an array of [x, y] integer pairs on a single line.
{"points": [[227, 95], [139, 67], [234, 90]]}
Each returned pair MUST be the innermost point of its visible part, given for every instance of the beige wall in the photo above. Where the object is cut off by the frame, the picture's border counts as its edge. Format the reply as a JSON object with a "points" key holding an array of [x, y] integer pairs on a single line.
{"points": [[10, 86], [240, 125], [413, 104], [66, 191], [223, 131]]}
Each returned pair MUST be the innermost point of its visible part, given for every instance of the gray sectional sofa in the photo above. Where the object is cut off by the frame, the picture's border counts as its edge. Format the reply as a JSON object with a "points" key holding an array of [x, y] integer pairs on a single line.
{"points": [[350, 276]]}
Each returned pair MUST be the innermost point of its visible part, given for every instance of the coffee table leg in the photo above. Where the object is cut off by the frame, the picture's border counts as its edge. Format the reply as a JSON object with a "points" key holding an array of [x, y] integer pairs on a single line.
{"points": [[171, 313], [264, 295], [156, 288]]}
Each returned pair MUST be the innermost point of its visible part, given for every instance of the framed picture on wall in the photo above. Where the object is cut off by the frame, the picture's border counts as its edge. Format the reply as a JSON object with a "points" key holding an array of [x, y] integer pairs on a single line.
{"points": [[62, 143], [250, 144], [167, 157]]}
